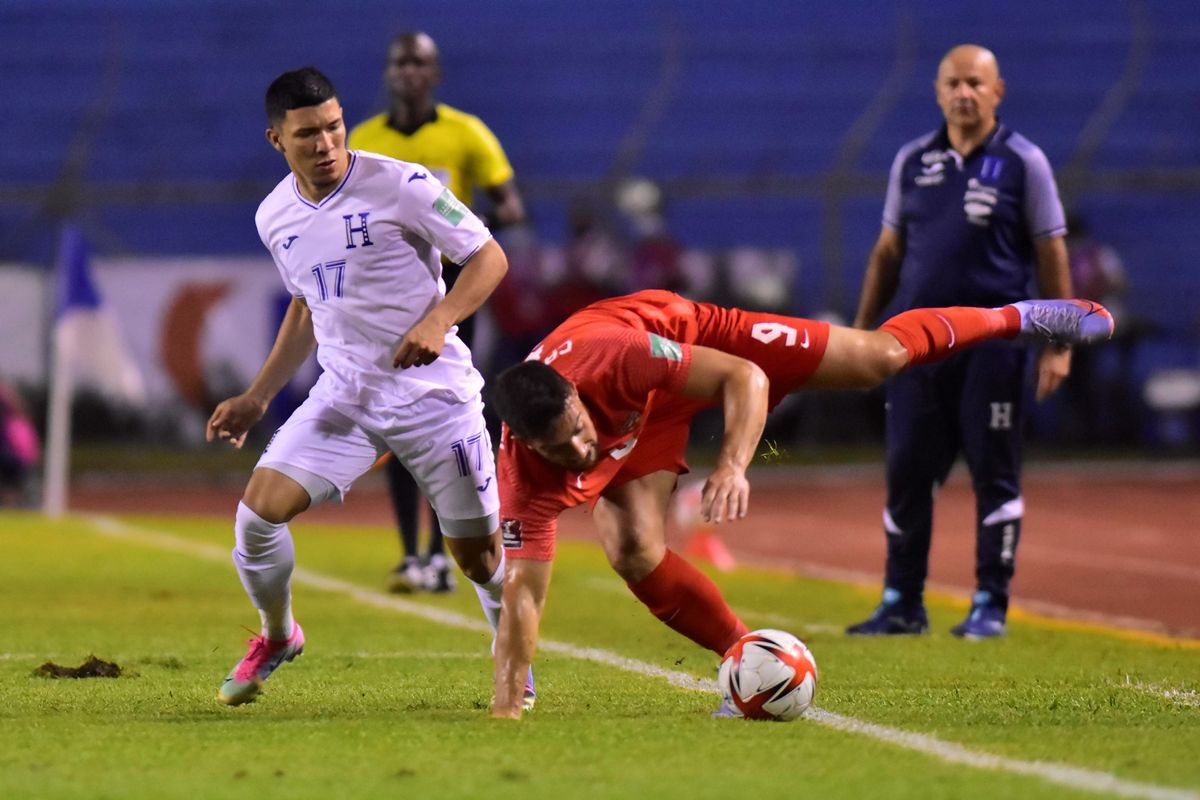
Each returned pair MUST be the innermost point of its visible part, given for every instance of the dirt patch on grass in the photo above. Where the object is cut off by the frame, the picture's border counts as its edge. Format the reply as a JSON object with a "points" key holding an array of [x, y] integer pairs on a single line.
{"points": [[92, 668]]}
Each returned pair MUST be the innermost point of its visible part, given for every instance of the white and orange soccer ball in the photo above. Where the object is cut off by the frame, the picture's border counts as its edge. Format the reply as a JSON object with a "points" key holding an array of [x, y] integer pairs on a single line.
{"points": [[769, 674]]}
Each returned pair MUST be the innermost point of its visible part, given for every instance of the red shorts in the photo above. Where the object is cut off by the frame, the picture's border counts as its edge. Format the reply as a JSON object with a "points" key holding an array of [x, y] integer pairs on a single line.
{"points": [[787, 349]]}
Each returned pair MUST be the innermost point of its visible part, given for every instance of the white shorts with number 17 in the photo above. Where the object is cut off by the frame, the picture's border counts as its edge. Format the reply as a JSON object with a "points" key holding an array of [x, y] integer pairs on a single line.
{"points": [[443, 442]]}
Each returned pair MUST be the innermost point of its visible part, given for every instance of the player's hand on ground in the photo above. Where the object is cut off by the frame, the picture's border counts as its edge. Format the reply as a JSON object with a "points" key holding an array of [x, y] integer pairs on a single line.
{"points": [[1054, 365], [510, 712], [726, 496], [233, 418], [423, 344]]}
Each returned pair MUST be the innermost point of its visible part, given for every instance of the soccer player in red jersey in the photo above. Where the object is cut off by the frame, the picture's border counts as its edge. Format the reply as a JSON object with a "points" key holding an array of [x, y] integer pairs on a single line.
{"points": [[599, 414]]}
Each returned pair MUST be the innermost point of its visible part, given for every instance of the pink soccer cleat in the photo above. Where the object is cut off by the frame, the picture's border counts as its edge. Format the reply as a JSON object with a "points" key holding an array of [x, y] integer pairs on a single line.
{"points": [[245, 682]]}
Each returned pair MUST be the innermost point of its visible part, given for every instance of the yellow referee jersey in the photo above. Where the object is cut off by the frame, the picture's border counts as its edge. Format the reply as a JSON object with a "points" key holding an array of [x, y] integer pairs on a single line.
{"points": [[460, 150]]}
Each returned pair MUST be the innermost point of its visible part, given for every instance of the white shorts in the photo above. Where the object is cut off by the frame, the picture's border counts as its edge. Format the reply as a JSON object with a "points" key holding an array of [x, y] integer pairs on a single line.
{"points": [[443, 442]]}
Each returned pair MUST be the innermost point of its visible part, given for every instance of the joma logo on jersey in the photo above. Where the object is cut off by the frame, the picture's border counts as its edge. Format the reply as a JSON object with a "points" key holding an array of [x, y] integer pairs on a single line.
{"points": [[351, 229]]}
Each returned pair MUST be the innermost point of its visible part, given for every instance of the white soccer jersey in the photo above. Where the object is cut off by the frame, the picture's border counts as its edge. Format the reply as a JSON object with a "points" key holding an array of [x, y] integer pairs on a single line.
{"points": [[367, 260]]}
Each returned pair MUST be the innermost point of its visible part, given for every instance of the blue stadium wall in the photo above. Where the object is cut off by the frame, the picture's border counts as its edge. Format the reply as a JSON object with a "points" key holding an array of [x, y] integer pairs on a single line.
{"points": [[143, 119]]}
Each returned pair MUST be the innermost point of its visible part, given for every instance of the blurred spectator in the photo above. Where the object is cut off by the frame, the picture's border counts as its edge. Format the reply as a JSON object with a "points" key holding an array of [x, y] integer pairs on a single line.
{"points": [[1096, 270], [1101, 402], [464, 154], [595, 264], [20, 450], [521, 308], [655, 257]]}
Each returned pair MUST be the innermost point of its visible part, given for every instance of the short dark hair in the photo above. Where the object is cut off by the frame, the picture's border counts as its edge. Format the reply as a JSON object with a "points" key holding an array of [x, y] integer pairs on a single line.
{"points": [[529, 397], [299, 88]]}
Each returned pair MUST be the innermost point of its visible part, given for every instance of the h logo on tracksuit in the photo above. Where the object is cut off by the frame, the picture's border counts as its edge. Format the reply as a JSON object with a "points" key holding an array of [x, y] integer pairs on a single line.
{"points": [[1002, 414]]}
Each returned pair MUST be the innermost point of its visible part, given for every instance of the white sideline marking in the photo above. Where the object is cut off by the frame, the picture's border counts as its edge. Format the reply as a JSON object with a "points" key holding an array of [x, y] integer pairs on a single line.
{"points": [[17, 656], [1182, 697], [1061, 774]]}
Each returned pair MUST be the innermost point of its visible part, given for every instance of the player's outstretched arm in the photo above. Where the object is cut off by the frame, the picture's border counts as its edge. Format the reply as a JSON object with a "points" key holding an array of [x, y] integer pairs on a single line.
{"points": [[233, 418], [478, 279], [525, 585], [742, 388]]}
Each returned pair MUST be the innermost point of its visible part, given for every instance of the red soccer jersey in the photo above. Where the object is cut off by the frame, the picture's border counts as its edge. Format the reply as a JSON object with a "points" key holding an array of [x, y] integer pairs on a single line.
{"points": [[628, 358], [620, 372]]}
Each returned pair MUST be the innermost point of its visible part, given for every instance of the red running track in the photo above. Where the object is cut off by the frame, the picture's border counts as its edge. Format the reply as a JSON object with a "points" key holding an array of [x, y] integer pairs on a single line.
{"points": [[1115, 544]]}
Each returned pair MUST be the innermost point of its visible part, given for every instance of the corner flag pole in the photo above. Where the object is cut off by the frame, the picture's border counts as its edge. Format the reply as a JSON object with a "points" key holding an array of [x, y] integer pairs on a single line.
{"points": [[58, 431]]}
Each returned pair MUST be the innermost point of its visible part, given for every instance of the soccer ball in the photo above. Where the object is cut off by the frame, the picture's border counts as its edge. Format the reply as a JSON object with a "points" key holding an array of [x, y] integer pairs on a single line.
{"points": [[769, 674]]}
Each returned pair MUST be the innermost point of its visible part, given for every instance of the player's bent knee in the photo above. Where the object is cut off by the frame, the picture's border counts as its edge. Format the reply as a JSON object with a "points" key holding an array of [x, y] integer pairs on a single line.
{"points": [[635, 558], [277, 497], [477, 556]]}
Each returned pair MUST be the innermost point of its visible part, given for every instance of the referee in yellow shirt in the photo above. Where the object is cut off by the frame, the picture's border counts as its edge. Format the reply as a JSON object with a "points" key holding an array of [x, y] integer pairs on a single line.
{"points": [[464, 155]]}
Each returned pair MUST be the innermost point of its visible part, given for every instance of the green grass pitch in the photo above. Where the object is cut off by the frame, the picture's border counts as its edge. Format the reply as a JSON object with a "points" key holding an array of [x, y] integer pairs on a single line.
{"points": [[388, 701]]}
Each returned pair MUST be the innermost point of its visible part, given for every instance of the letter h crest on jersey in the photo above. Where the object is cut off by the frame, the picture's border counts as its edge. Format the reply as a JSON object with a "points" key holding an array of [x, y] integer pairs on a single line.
{"points": [[352, 229]]}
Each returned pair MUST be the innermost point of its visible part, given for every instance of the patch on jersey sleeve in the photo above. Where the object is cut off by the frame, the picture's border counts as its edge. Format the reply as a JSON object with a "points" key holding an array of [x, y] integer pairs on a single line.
{"points": [[511, 534], [665, 348], [449, 207]]}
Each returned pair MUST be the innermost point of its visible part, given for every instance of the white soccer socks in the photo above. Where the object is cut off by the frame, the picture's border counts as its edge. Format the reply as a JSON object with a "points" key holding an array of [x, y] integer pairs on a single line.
{"points": [[490, 593], [264, 556]]}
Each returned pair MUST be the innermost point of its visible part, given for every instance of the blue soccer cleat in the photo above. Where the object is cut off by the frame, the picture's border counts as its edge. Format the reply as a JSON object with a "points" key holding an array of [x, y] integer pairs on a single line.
{"points": [[985, 621], [891, 619], [1064, 322], [727, 710], [529, 698]]}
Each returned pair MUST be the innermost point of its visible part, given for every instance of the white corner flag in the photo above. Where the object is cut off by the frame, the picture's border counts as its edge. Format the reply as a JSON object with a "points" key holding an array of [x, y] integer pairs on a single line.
{"points": [[86, 349]]}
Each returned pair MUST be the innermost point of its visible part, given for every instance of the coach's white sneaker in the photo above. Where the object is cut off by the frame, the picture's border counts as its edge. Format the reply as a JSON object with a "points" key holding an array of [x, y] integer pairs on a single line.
{"points": [[408, 577], [438, 575]]}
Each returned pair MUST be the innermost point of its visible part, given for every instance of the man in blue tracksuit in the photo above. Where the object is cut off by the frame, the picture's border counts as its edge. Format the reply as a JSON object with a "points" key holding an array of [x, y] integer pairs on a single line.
{"points": [[971, 215]]}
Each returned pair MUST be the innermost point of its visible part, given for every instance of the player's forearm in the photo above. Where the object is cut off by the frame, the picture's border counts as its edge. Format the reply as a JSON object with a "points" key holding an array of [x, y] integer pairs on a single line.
{"points": [[525, 587], [1053, 267], [510, 213], [744, 399], [478, 279], [879, 286], [507, 206], [294, 343]]}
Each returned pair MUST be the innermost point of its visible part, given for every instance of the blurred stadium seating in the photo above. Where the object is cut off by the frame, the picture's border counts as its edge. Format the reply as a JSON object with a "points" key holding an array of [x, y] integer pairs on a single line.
{"points": [[767, 124]]}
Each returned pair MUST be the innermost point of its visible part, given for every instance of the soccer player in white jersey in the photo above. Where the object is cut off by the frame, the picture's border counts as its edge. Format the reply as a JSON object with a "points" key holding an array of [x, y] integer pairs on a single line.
{"points": [[357, 239]]}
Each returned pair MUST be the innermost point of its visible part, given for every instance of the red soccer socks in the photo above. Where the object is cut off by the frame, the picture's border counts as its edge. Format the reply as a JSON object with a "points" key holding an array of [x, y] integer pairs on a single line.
{"points": [[689, 603], [931, 334]]}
